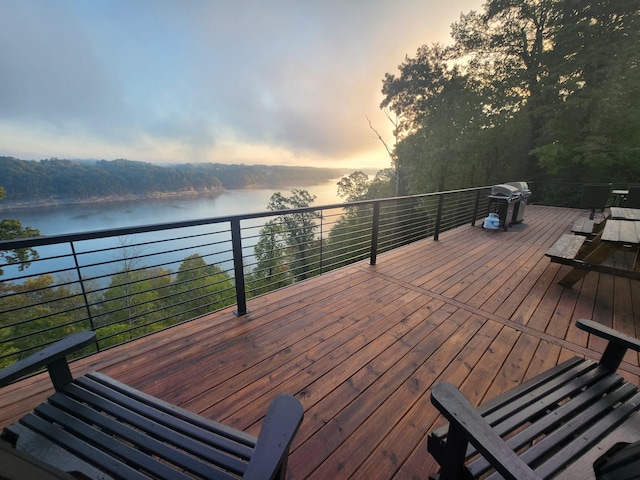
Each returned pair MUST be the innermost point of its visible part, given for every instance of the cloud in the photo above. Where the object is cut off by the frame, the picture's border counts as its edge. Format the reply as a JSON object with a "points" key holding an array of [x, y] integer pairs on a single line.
{"points": [[283, 81], [48, 70]]}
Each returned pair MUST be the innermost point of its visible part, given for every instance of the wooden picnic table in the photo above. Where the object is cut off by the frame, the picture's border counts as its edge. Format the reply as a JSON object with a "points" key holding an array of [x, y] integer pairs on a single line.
{"points": [[586, 256], [619, 213]]}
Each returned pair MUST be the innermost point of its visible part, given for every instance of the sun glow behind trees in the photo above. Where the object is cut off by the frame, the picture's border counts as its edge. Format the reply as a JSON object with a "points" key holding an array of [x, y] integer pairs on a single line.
{"points": [[543, 90]]}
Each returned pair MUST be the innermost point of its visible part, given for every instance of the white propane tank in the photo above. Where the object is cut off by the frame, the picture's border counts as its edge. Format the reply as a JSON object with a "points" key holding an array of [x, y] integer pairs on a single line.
{"points": [[492, 222]]}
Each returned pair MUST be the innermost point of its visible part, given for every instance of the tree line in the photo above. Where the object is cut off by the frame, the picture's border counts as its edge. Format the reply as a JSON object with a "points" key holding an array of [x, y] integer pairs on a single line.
{"points": [[537, 90], [68, 181]]}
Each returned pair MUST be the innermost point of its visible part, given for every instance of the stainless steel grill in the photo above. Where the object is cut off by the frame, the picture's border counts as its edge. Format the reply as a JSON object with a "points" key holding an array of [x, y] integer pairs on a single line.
{"points": [[505, 191], [508, 201], [519, 208]]}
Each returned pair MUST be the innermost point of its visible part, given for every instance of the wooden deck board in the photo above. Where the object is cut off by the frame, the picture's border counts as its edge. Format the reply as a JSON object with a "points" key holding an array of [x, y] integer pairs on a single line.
{"points": [[362, 346]]}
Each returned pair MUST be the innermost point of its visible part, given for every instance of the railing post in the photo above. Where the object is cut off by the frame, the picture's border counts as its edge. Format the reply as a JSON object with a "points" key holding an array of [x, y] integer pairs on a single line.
{"points": [[84, 293], [238, 268], [321, 239], [475, 209], [436, 234], [375, 227]]}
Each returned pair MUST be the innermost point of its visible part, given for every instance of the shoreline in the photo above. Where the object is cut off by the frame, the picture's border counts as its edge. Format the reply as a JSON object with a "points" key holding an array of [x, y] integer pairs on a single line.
{"points": [[7, 205]]}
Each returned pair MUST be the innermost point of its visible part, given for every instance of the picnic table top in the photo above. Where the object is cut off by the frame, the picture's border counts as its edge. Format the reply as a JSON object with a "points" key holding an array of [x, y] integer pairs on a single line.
{"points": [[622, 231], [621, 213]]}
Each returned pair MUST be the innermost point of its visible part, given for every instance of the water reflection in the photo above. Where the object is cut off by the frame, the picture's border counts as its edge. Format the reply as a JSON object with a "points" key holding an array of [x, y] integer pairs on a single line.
{"points": [[100, 258]]}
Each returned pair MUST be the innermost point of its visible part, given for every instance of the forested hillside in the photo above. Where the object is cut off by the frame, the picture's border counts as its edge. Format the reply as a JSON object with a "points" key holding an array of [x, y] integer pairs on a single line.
{"points": [[68, 181], [535, 90]]}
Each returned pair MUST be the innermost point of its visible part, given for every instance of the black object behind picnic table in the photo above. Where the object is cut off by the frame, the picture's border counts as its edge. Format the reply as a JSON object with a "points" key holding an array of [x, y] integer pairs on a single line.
{"points": [[632, 199], [595, 197]]}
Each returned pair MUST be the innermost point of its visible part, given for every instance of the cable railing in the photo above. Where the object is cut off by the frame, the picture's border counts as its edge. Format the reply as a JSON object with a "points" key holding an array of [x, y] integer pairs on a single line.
{"points": [[130, 282]]}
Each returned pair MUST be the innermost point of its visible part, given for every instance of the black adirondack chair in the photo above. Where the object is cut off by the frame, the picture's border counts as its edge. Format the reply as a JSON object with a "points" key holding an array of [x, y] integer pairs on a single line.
{"points": [[98, 427], [578, 420]]}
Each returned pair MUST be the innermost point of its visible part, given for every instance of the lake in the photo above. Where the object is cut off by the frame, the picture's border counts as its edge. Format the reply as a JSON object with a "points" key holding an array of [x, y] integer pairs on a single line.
{"points": [[64, 219], [61, 219]]}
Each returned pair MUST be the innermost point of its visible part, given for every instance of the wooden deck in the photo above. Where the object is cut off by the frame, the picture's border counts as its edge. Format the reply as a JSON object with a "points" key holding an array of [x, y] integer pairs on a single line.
{"points": [[361, 346]]}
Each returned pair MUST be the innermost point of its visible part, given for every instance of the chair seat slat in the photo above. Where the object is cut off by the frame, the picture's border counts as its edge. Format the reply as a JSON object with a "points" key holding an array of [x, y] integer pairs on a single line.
{"points": [[165, 428], [235, 435], [82, 449], [79, 415]]}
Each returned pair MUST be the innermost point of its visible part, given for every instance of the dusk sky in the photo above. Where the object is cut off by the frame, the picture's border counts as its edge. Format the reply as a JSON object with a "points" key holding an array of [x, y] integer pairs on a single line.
{"points": [[282, 82]]}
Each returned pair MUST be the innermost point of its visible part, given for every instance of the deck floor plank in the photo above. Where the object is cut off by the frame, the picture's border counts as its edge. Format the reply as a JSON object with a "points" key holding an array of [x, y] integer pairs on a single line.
{"points": [[361, 346]]}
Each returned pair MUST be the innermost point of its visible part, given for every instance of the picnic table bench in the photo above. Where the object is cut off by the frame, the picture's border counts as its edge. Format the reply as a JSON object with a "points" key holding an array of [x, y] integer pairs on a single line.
{"points": [[566, 247], [102, 428], [587, 254], [583, 226], [583, 255], [575, 421]]}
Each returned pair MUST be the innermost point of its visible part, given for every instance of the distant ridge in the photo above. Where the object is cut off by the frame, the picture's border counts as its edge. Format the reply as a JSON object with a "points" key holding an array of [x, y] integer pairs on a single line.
{"points": [[60, 181]]}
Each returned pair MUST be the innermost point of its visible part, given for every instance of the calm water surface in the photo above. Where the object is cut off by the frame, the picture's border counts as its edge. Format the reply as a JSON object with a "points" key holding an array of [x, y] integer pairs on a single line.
{"points": [[214, 239], [62, 219]]}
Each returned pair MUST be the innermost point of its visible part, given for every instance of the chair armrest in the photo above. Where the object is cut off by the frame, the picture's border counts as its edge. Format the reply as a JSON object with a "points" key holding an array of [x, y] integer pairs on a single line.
{"points": [[617, 346], [609, 334], [53, 357], [465, 421], [272, 447]]}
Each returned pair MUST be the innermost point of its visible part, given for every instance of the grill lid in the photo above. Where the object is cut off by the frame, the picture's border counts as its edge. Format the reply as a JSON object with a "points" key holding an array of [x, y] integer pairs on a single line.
{"points": [[504, 190], [522, 186]]}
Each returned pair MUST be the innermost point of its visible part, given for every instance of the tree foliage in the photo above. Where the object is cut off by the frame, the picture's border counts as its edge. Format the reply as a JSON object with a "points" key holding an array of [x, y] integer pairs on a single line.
{"points": [[354, 187], [200, 288], [357, 185], [11, 229], [298, 229], [538, 90], [137, 300], [272, 269]]}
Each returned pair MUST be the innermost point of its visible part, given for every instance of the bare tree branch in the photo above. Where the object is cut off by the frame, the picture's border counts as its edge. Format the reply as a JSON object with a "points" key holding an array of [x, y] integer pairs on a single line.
{"points": [[390, 151]]}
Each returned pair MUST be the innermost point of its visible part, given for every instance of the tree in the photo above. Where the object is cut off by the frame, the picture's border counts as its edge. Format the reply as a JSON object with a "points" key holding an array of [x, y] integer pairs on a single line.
{"points": [[441, 116], [354, 187], [298, 229], [200, 288], [533, 89], [40, 312], [271, 271], [505, 48], [12, 229], [135, 298], [412, 96], [357, 186], [421, 79], [592, 124], [400, 187], [128, 275], [383, 185]]}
